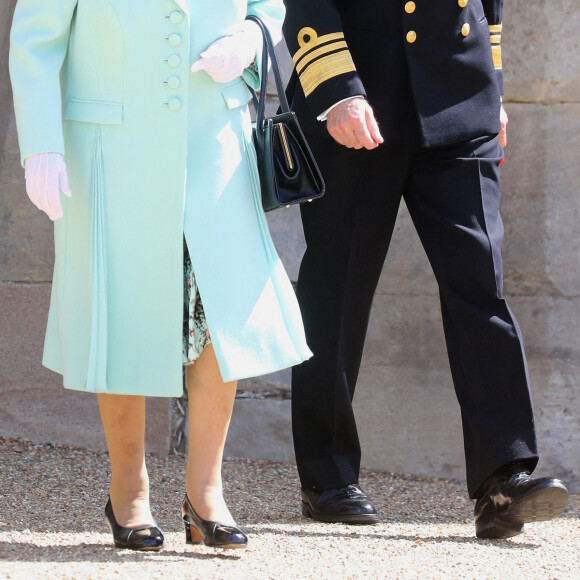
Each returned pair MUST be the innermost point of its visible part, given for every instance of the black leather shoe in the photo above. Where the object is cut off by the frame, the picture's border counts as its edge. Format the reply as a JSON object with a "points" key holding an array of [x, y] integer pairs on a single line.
{"points": [[143, 538], [348, 505], [214, 534], [510, 501]]}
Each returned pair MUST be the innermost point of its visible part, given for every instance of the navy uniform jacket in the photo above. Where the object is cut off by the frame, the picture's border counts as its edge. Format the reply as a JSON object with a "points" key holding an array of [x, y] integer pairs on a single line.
{"points": [[431, 69]]}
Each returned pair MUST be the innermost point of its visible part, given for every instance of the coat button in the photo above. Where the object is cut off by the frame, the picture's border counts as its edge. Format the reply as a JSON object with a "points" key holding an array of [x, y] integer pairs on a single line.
{"points": [[411, 36], [176, 17], [173, 82], [462, 3], [410, 7], [174, 39], [174, 104], [465, 29], [173, 60]]}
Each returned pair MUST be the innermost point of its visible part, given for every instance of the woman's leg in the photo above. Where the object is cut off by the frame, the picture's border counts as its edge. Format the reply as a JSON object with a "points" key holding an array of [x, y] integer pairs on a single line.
{"points": [[211, 402], [123, 419]]}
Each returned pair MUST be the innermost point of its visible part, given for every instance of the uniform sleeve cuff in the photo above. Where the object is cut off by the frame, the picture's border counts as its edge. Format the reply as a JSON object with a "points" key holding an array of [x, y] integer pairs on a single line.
{"points": [[323, 116]]}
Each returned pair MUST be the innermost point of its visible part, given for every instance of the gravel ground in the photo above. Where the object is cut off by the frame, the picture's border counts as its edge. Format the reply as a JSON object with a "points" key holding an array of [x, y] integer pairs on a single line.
{"points": [[52, 526]]}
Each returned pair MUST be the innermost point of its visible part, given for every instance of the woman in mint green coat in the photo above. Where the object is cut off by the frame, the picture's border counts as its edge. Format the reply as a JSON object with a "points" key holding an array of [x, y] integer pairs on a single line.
{"points": [[158, 152]]}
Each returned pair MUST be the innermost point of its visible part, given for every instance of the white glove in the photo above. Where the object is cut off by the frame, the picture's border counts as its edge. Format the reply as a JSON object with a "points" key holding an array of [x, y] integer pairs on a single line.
{"points": [[46, 176], [228, 56]]}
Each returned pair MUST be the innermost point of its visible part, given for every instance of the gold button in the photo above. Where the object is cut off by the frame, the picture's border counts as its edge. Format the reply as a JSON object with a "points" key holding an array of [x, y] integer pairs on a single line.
{"points": [[411, 36], [465, 29], [462, 3], [410, 7]]}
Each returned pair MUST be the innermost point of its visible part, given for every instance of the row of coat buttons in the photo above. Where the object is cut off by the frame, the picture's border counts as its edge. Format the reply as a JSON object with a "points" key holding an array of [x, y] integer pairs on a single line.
{"points": [[174, 40], [412, 35]]}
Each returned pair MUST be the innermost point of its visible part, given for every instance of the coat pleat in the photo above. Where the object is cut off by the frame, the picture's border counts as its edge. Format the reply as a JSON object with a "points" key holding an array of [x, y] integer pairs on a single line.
{"points": [[97, 368]]}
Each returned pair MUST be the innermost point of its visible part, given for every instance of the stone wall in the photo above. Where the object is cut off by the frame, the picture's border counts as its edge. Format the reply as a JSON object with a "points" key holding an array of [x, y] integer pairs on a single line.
{"points": [[405, 382]]}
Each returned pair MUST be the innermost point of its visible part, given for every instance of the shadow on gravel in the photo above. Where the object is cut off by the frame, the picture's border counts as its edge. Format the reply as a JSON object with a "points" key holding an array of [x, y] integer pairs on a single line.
{"points": [[54, 518], [504, 544], [25, 552]]}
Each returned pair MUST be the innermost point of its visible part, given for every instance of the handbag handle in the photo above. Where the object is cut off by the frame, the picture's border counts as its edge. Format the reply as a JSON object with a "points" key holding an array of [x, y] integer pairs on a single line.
{"points": [[267, 53]]}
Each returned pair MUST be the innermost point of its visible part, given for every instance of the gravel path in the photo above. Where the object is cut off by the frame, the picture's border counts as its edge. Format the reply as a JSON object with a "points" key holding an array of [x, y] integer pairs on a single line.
{"points": [[52, 526]]}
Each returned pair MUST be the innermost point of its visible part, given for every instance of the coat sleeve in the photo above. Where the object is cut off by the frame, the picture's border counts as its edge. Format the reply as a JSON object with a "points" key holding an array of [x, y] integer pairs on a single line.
{"points": [[38, 44], [271, 12], [323, 63], [494, 11]]}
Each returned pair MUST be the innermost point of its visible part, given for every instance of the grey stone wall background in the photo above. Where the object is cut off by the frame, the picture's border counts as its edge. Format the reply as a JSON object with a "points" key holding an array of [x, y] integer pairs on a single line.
{"points": [[407, 414]]}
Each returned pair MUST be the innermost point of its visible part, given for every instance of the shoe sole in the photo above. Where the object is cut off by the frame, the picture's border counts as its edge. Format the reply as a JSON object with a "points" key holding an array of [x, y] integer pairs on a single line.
{"points": [[497, 531], [153, 549], [220, 547], [540, 506], [361, 519]]}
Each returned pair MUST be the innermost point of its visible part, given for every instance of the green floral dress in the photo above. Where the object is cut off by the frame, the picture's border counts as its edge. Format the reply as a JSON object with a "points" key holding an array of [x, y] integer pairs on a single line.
{"points": [[195, 331]]}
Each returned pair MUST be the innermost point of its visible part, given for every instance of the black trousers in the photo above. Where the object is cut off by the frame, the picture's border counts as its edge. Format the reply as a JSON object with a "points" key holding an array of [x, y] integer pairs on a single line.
{"points": [[453, 195]]}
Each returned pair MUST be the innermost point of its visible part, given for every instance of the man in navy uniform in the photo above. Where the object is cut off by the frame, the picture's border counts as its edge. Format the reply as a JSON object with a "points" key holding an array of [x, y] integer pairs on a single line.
{"points": [[402, 99]]}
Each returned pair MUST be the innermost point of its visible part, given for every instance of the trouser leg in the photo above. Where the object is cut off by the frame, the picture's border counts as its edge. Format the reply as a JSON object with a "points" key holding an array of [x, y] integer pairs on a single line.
{"points": [[453, 198], [347, 234]]}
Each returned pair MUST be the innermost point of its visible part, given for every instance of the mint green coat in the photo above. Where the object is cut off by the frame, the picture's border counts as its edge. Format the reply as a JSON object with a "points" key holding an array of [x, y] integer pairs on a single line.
{"points": [[153, 152]]}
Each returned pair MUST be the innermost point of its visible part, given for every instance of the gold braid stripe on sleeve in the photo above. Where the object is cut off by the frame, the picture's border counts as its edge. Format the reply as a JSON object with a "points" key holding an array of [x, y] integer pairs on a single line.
{"points": [[332, 47], [326, 68], [495, 39]]}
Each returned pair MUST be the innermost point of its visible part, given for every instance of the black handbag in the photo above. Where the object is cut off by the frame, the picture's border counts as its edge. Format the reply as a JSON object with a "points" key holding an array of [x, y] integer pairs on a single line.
{"points": [[288, 172]]}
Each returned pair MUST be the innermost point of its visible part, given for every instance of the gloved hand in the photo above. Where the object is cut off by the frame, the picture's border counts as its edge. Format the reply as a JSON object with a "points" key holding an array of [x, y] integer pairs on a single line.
{"points": [[46, 176], [228, 56]]}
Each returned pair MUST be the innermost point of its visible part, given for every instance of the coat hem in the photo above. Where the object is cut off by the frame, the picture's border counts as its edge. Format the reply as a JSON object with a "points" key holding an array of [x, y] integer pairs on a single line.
{"points": [[83, 388], [267, 371]]}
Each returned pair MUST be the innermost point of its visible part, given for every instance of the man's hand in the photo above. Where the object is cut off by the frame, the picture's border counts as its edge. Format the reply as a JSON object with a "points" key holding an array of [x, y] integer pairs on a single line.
{"points": [[503, 119], [353, 124]]}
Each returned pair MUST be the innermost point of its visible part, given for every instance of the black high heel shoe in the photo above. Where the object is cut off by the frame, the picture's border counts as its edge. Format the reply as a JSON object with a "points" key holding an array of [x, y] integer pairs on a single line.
{"points": [[141, 538], [214, 534]]}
